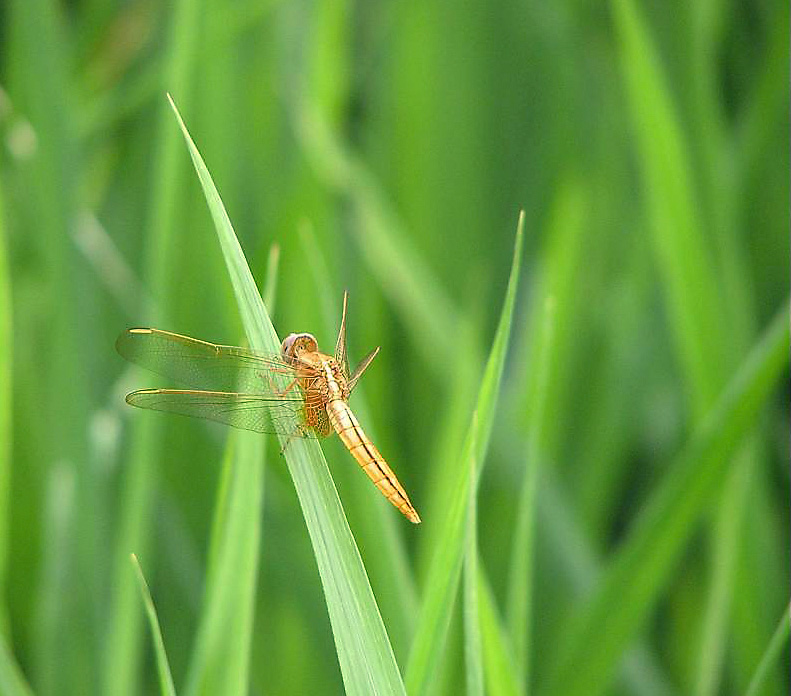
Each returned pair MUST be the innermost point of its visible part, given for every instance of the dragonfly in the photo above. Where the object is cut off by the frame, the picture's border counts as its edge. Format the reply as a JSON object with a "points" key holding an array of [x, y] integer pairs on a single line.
{"points": [[300, 392]]}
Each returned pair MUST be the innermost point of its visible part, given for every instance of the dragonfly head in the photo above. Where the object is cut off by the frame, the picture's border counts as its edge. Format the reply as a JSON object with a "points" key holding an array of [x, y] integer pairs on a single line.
{"points": [[298, 343]]}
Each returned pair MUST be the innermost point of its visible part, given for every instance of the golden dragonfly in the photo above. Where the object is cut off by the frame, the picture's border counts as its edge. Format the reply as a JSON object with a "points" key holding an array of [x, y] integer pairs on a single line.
{"points": [[242, 388]]}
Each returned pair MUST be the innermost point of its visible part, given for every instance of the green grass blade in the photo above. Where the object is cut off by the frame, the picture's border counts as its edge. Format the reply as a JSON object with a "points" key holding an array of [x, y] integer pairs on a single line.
{"points": [[773, 654], [501, 678], [255, 319], [221, 657], [163, 667], [12, 681], [220, 661], [39, 82], [708, 294], [6, 382], [682, 252], [632, 584], [364, 652], [581, 570], [727, 534], [473, 659], [389, 568], [442, 583], [520, 587], [122, 655]]}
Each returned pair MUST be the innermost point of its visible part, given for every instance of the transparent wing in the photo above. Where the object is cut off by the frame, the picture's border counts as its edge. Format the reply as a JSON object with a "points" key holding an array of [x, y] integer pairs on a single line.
{"points": [[205, 366], [261, 413]]}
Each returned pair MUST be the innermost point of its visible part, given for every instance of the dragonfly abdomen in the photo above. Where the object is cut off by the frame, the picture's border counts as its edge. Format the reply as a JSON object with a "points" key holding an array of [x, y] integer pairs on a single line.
{"points": [[369, 458]]}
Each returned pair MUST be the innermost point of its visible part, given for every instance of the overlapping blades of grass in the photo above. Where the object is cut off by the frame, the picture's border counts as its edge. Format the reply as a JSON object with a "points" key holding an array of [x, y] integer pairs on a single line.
{"points": [[630, 587], [364, 651], [220, 660], [704, 298], [443, 579], [37, 43], [122, 654]]}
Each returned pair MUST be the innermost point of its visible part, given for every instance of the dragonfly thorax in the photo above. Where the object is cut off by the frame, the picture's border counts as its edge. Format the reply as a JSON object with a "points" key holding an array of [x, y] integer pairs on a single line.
{"points": [[317, 373]]}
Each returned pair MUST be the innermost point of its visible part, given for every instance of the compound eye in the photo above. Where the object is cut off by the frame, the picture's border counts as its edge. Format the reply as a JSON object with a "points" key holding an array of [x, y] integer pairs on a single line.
{"points": [[296, 343], [287, 346]]}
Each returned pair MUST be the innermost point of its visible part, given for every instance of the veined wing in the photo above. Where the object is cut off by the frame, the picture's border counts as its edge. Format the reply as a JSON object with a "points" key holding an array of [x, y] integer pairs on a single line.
{"points": [[261, 413], [202, 365]]}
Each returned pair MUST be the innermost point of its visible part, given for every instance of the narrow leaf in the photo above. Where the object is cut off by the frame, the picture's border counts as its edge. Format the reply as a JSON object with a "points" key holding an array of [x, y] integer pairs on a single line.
{"points": [[364, 651], [163, 667], [443, 580], [501, 677], [220, 660], [389, 568], [631, 586], [221, 657], [473, 660]]}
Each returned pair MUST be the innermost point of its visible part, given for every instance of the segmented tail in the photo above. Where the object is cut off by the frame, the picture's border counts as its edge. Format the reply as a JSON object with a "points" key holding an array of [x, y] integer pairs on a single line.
{"points": [[369, 458]]}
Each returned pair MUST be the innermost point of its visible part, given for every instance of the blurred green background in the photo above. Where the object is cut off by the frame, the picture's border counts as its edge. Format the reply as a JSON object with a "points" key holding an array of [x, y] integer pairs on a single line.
{"points": [[387, 148]]}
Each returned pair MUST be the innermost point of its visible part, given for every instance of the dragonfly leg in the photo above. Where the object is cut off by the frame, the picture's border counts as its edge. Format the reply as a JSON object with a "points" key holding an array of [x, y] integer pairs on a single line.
{"points": [[281, 392], [299, 431]]}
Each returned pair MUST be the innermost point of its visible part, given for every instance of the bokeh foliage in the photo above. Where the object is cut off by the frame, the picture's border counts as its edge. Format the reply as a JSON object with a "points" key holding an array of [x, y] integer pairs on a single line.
{"points": [[630, 531]]}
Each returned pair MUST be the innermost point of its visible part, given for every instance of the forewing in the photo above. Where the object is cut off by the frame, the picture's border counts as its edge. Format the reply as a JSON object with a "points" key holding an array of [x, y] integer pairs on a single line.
{"points": [[202, 365], [260, 413]]}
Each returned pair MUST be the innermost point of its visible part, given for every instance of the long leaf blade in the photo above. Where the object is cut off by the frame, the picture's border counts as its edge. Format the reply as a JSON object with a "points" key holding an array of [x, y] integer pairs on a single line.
{"points": [[364, 651], [633, 582], [445, 570], [473, 657], [163, 666]]}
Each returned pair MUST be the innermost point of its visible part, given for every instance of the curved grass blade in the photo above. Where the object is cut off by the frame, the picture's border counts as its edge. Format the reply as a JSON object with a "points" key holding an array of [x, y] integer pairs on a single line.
{"points": [[706, 293], [773, 653], [364, 652], [631, 585], [163, 667], [443, 579]]}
